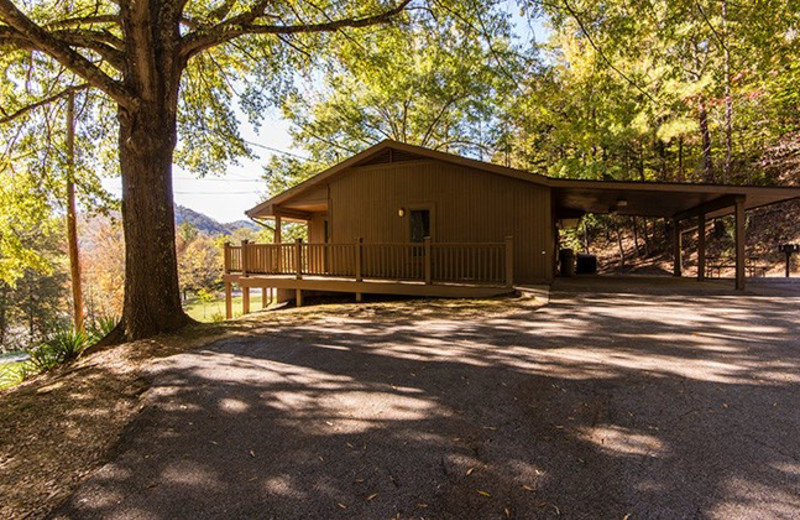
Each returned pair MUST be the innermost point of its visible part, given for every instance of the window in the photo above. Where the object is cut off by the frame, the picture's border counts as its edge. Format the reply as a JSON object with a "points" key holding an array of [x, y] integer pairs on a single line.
{"points": [[420, 224]]}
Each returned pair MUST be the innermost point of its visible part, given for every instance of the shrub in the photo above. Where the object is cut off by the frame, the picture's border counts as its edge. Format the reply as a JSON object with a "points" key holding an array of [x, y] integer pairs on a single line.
{"points": [[101, 327], [217, 317], [63, 346]]}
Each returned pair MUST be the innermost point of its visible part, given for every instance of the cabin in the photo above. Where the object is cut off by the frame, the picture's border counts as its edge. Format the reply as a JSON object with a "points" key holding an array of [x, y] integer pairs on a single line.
{"points": [[406, 220]]}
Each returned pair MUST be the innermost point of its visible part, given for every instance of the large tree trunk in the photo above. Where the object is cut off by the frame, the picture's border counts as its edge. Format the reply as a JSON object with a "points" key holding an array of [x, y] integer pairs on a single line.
{"points": [[152, 298]]}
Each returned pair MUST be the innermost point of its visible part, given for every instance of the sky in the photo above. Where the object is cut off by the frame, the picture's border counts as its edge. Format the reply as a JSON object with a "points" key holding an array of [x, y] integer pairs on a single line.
{"points": [[226, 198]]}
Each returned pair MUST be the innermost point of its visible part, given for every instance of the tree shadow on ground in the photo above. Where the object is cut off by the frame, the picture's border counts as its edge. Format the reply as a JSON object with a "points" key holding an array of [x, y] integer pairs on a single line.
{"points": [[597, 406]]}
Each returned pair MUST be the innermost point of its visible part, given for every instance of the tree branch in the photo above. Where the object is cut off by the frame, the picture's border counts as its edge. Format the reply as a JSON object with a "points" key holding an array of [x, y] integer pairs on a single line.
{"points": [[244, 24], [60, 50], [46, 101]]}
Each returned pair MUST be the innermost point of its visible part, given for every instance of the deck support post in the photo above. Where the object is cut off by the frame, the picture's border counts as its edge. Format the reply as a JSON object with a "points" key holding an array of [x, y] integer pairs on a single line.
{"points": [[245, 300], [740, 243], [509, 241], [298, 297], [677, 261], [298, 258], [701, 247], [228, 301], [428, 260], [264, 298]]}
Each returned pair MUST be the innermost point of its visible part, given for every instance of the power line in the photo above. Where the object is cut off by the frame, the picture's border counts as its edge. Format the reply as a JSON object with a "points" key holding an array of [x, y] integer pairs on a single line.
{"points": [[276, 150]]}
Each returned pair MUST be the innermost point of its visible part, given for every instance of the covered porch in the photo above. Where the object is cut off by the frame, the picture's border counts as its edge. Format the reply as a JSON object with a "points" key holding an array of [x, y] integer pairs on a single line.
{"points": [[687, 206]]}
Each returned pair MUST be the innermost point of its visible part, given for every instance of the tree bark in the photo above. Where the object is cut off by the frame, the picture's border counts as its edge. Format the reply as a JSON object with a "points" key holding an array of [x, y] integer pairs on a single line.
{"points": [[72, 221], [152, 299]]}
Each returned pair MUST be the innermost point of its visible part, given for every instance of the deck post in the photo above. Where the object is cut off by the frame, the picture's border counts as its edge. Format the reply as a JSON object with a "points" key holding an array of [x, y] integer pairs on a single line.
{"points": [[263, 297], [244, 257], [226, 267], [298, 258], [428, 260], [298, 297], [359, 254], [701, 247], [677, 261], [359, 250], [245, 300], [740, 242], [228, 302], [509, 261]]}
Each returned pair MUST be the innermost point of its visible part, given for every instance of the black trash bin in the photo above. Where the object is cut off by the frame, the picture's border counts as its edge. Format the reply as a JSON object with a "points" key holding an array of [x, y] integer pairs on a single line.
{"points": [[566, 259], [586, 264]]}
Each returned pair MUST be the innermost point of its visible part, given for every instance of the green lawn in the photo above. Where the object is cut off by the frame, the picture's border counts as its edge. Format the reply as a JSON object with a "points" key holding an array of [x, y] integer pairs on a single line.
{"points": [[205, 312]]}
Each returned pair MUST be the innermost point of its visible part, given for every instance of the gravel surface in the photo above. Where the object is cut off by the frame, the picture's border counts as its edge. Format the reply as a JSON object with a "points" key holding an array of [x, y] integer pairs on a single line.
{"points": [[600, 405]]}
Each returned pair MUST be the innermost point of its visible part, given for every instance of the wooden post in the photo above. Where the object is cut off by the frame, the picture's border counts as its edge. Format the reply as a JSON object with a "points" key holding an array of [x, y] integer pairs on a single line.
{"points": [[428, 260], [228, 301], [72, 220], [244, 257], [298, 258], [298, 296], [264, 298], [359, 254], [245, 300], [740, 241], [701, 247], [509, 261], [226, 268], [359, 250], [677, 261], [277, 234]]}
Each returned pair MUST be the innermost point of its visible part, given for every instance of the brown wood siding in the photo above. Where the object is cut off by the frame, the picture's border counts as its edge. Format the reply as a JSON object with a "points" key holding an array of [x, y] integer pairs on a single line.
{"points": [[316, 228], [467, 205]]}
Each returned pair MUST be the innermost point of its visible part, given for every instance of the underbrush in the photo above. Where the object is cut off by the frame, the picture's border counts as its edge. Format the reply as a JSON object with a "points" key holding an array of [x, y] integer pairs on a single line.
{"points": [[62, 347]]}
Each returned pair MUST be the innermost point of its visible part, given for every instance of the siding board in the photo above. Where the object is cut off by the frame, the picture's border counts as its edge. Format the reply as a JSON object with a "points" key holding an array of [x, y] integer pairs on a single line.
{"points": [[467, 205]]}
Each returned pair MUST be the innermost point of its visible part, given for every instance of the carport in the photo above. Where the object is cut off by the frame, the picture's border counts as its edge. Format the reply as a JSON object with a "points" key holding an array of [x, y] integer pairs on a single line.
{"points": [[674, 201]]}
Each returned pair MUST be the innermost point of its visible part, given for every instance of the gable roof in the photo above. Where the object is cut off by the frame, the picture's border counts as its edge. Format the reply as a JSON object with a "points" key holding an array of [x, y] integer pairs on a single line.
{"points": [[373, 155]]}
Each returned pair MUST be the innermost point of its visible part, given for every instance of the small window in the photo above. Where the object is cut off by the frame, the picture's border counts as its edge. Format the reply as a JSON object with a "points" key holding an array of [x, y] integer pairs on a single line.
{"points": [[420, 224]]}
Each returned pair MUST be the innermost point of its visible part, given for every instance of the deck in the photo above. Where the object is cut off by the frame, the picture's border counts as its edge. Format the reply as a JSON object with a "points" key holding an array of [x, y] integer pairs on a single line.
{"points": [[454, 270]]}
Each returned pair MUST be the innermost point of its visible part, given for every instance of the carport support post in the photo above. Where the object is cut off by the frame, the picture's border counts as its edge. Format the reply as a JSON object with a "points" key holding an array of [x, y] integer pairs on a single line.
{"points": [[701, 247], [677, 266], [740, 239]]}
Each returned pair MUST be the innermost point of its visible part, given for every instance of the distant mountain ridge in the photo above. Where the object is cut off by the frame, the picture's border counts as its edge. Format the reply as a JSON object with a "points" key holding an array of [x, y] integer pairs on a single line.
{"points": [[207, 224]]}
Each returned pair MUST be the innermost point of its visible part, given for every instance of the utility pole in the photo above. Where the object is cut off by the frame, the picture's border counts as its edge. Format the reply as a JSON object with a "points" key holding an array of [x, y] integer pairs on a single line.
{"points": [[72, 225]]}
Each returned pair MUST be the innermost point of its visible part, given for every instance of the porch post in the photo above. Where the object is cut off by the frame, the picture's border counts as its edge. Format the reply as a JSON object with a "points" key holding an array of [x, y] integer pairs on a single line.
{"points": [[276, 236], [701, 247], [509, 261], [740, 241], [427, 255], [263, 297], [677, 261]]}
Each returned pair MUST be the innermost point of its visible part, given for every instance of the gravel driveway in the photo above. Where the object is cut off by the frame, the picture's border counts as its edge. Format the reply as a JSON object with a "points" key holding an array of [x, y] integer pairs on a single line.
{"points": [[597, 406]]}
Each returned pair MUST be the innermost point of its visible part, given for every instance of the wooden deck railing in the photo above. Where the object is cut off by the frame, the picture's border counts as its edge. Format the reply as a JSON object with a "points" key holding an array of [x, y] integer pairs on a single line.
{"points": [[428, 262]]}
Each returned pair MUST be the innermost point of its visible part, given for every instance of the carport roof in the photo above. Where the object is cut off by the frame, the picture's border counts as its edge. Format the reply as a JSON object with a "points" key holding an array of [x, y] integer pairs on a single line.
{"points": [[573, 198]]}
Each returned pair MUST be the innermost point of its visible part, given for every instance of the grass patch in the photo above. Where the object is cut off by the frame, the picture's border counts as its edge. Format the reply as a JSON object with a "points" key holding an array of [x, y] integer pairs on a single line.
{"points": [[212, 311]]}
